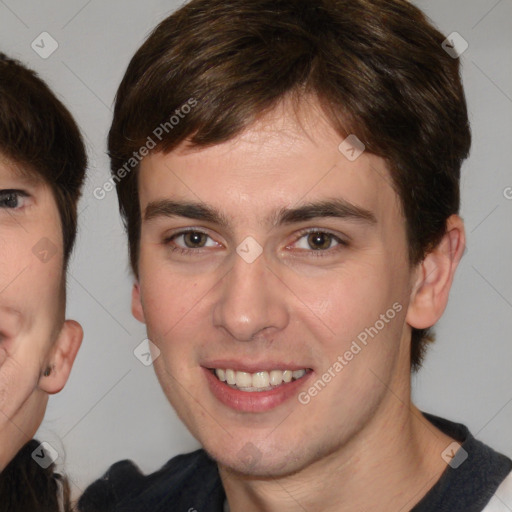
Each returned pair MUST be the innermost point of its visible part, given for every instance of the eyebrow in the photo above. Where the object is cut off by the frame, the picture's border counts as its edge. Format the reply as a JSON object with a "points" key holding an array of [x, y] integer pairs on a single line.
{"points": [[331, 208], [335, 208]]}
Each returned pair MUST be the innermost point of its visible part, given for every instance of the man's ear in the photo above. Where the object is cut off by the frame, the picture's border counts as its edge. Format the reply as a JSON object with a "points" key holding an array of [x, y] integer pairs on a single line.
{"points": [[62, 357], [137, 310], [434, 277]]}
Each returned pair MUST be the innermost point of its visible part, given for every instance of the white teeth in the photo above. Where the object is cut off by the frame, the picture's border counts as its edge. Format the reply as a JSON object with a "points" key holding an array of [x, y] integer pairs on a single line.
{"points": [[230, 377], [297, 374], [243, 380], [276, 377], [259, 381]]}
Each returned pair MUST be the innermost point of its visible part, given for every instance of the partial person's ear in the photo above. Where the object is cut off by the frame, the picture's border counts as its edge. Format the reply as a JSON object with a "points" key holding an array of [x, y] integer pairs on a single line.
{"points": [[434, 277], [62, 357], [137, 310]]}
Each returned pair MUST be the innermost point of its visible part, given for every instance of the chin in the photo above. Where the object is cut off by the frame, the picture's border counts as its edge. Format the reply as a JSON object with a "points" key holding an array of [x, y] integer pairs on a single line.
{"points": [[249, 460]]}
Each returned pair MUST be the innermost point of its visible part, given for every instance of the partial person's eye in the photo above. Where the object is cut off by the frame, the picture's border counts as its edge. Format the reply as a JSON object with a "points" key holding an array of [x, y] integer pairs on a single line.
{"points": [[12, 199], [189, 241], [319, 241]]}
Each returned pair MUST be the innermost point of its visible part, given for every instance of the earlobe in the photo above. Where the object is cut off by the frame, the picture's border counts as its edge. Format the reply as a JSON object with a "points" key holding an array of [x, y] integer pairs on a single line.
{"points": [[56, 372], [434, 277], [137, 310]]}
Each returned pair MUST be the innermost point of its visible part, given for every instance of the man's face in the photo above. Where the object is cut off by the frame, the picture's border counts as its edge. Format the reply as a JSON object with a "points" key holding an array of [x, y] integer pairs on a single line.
{"points": [[31, 306], [324, 275]]}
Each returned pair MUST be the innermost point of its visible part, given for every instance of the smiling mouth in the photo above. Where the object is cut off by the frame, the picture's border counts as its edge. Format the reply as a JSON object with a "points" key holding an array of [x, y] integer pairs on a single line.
{"points": [[258, 381]]}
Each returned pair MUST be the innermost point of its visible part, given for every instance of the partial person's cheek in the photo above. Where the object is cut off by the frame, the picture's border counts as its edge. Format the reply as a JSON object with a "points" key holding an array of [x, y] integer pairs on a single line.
{"points": [[19, 377], [12, 391], [3, 354]]}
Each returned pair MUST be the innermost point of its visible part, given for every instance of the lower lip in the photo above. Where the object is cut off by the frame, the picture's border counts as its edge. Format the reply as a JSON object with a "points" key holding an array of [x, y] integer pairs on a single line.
{"points": [[255, 401]]}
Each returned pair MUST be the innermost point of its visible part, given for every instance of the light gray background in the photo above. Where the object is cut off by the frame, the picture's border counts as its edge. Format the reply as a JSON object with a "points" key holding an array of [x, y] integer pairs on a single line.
{"points": [[112, 407]]}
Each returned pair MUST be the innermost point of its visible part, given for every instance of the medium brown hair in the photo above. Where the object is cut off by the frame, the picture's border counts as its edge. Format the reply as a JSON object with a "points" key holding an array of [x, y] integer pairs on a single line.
{"points": [[377, 67], [39, 135]]}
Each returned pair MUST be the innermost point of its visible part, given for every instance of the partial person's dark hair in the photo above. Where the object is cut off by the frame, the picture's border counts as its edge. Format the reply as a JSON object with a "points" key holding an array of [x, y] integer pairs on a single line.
{"points": [[39, 135], [376, 66], [27, 487]]}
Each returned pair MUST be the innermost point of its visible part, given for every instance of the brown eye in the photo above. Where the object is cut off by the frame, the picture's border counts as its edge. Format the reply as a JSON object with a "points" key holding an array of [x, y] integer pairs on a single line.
{"points": [[190, 242], [320, 241], [194, 239]]}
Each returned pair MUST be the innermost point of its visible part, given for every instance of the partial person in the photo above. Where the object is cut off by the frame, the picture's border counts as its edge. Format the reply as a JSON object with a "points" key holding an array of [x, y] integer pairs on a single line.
{"points": [[42, 168]]}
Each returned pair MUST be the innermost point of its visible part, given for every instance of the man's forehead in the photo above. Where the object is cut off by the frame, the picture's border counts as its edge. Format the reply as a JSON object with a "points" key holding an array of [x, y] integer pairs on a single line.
{"points": [[286, 165], [292, 120], [359, 189]]}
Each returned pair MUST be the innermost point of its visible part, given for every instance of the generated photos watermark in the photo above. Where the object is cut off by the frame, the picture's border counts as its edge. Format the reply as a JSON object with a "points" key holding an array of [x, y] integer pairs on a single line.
{"points": [[151, 143], [356, 347]]}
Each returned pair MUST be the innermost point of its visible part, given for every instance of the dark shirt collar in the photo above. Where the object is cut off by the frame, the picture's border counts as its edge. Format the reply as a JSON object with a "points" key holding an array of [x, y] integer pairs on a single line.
{"points": [[192, 482]]}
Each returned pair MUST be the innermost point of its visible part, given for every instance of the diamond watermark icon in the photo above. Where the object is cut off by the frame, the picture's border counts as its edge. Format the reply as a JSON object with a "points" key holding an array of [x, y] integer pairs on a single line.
{"points": [[44, 250], [249, 250], [44, 45], [454, 455], [455, 45], [250, 455], [45, 455], [146, 352], [352, 148]]}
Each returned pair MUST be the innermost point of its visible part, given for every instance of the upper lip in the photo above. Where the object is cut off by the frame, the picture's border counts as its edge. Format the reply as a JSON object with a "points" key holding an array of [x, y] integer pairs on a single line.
{"points": [[251, 366]]}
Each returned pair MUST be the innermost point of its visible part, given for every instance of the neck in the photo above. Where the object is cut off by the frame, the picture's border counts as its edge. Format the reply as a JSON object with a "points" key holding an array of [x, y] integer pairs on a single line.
{"points": [[389, 465]]}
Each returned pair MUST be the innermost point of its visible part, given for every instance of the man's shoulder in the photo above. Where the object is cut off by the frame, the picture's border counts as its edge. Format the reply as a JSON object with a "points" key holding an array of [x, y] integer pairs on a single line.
{"points": [[186, 481], [501, 501], [477, 478]]}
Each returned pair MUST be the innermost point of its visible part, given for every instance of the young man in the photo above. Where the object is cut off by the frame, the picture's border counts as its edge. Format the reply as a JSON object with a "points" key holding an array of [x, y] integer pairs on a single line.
{"points": [[42, 168], [288, 172]]}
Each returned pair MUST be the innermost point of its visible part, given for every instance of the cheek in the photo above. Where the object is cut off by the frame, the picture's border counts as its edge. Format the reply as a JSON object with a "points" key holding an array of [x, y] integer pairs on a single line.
{"points": [[343, 303], [19, 376], [45, 278], [31, 308], [164, 303], [37, 295], [47, 256], [15, 258], [172, 300], [34, 255], [358, 317]]}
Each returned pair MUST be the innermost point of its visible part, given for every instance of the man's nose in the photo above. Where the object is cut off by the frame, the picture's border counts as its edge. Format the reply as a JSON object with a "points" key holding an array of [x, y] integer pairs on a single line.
{"points": [[251, 299]]}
